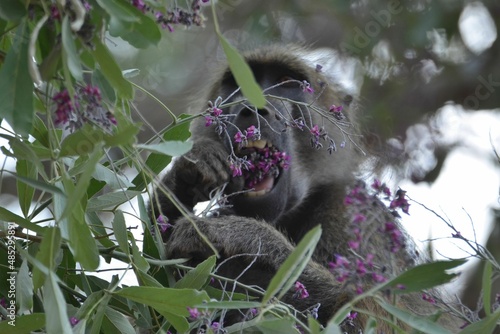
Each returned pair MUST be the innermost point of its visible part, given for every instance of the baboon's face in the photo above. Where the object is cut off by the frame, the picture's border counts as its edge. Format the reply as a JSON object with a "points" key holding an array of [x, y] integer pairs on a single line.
{"points": [[265, 197]]}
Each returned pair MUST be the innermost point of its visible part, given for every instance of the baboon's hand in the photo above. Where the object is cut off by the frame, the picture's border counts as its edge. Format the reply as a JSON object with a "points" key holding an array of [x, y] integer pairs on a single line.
{"points": [[201, 170]]}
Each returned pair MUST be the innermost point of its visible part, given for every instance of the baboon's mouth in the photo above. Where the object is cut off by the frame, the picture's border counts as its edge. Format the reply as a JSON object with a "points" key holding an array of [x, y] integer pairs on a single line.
{"points": [[263, 167]]}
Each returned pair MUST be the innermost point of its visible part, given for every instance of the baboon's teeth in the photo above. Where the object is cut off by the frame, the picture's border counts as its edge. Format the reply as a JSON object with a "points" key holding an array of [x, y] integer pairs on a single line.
{"points": [[258, 144]]}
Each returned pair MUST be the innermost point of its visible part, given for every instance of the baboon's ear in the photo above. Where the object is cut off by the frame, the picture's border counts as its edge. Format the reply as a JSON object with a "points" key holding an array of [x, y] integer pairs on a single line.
{"points": [[338, 69]]}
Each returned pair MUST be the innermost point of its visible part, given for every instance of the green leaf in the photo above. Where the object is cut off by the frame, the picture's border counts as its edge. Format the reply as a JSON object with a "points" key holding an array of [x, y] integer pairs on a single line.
{"points": [[124, 136], [24, 289], [23, 324], [107, 90], [168, 300], [139, 260], [80, 240], [229, 305], [486, 325], [49, 249], [487, 287], [424, 276], [120, 10], [7, 216], [16, 85], [81, 142], [172, 148], [99, 315], [119, 321], [293, 266], [197, 278], [422, 324], [314, 325], [39, 185], [56, 317], [180, 324], [111, 200], [12, 10], [112, 178], [120, 231], [243, 74], [277, 326], [24, 191], [139, 34], [111, 70], [70, 54], [79, 191]]}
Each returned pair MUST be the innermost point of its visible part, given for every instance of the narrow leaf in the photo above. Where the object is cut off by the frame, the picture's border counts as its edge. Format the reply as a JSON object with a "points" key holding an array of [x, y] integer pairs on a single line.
{"points": [[24, 191], [56, 317], [120, 231], [9, 216], [111, 70], [80, 190], [424, 276], [169, 300], [70, 53], [243, 74], [229, 305], [49, 249], [24, 289], [180, 324], [486, 325], [293, 266], [110, 200], [139, 260], [119, 321], [487, 287], [39, 184], [171, 148], [16, 85], [422, 324], [112, 178], [197, 278]]}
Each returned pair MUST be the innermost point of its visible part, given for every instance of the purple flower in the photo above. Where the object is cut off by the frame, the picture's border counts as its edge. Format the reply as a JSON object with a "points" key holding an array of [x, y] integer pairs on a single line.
{"points": [[428, 298], [3, 302], [73, 321], [216, 326], [300, 291], [162, 222], [378, 278], [306, 87], [193, 313], [400, 201], [315, 131], [239, 137], [139, 4]]}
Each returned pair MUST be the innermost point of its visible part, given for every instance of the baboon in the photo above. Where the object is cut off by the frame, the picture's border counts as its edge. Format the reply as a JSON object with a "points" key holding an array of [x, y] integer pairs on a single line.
{"points": [[308, 127]]}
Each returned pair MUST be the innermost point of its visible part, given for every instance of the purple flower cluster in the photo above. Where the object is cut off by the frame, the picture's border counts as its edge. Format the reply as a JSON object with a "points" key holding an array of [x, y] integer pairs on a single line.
{"points": [[84, 107], [359, 268], [251, 133], [175, 16], [260, 163], [300, 291]]}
